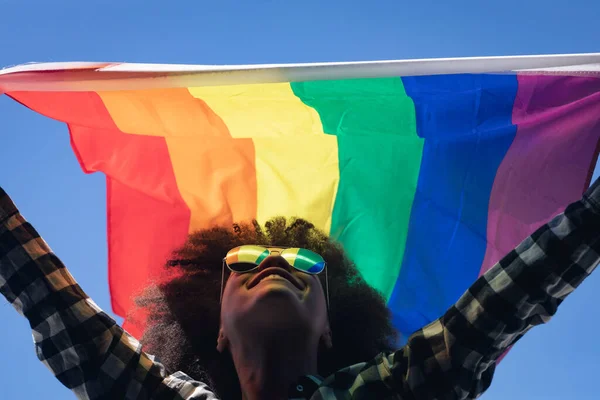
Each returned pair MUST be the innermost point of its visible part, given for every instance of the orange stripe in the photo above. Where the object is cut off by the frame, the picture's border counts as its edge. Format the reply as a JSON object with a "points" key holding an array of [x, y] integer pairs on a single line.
{"points": [[216, 178], [212, 175], [162, 112]]}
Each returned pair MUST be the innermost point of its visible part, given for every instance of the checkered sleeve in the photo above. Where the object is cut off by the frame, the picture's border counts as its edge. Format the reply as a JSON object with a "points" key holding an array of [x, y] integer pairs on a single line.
{"points": [[455, 356], [81, 345]]}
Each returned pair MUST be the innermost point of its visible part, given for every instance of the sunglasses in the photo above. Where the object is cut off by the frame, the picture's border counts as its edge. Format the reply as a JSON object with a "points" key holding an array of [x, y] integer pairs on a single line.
{"points": [[246, 258]]}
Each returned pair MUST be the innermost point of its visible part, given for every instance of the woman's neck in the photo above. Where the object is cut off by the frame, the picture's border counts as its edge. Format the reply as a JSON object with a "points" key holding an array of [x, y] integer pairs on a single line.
{"points": [[268, 366]]}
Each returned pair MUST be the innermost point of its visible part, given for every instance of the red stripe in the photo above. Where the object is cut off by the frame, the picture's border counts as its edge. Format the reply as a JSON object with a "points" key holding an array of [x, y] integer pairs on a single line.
{"points": [[147, 216]]}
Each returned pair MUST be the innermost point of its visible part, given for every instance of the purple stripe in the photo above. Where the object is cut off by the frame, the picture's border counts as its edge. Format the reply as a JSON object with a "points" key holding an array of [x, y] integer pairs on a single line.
{"points": [[548, 164]]}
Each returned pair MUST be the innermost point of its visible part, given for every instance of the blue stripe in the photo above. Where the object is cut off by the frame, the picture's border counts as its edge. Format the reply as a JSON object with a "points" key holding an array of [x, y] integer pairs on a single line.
{"points": [[466, 121]]}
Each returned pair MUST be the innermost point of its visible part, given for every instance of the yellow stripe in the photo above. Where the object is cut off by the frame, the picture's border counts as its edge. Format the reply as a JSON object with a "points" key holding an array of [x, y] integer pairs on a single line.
{"points": [[297, 171], [267, 110], [297, 177]]}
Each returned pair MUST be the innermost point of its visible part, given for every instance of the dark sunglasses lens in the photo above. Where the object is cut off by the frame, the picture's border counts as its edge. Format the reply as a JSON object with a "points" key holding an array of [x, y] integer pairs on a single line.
{"points": [[241, 267]]}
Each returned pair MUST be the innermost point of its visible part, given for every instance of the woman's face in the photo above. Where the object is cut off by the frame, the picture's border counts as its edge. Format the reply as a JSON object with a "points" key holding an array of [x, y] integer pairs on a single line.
{"points": [[273, 298]]}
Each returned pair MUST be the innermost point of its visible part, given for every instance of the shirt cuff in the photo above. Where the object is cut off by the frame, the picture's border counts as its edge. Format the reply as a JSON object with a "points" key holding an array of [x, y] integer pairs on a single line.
{"points": [[7, 207], [592, 195]]}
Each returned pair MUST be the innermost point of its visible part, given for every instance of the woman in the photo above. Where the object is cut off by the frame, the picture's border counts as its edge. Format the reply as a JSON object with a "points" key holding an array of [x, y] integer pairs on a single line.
{"points": [[249, 314]]}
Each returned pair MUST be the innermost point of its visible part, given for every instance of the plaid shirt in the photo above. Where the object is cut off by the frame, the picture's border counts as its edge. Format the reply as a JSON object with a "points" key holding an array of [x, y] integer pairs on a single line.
{"points": [[452, 358]]}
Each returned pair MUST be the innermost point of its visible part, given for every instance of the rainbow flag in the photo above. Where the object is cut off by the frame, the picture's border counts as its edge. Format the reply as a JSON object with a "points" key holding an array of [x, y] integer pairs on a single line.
{"points": [[427, 171]]}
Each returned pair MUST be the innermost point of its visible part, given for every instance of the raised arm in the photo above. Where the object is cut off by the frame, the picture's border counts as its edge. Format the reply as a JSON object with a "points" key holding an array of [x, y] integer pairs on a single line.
{"points": [[458, 352], [83, 347], [455, 356]]}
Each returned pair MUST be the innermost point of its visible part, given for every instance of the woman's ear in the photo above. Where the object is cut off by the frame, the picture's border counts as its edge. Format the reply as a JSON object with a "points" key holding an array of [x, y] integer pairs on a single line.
{"points": [[222, 341]]}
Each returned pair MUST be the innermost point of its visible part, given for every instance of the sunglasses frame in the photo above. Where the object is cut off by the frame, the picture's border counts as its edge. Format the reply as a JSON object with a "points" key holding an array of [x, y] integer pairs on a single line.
{"points": [[270, 253]]}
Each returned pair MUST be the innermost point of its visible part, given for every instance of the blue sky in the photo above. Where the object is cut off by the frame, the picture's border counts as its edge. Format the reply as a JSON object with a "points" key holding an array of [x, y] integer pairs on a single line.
{"points": [[39, 170]]}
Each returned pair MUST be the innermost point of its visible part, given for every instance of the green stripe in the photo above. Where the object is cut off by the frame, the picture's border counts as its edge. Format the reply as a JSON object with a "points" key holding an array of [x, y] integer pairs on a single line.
{"points": [[379, 156]]}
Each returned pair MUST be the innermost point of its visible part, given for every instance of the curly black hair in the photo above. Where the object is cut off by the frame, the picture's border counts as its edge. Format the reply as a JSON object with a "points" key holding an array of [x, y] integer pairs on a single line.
{"points": [[183, 311]]}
